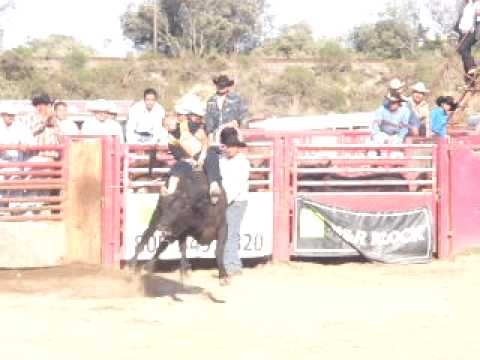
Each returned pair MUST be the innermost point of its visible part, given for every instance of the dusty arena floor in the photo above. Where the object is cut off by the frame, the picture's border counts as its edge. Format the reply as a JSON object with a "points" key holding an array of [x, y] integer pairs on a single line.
{"points": [[290, 311]]}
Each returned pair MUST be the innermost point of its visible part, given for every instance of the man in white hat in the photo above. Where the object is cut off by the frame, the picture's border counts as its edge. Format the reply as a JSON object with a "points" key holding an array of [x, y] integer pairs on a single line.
{"points": [[420, 110], [396, 88], [102, 123], [145, 121], [13, 132]]}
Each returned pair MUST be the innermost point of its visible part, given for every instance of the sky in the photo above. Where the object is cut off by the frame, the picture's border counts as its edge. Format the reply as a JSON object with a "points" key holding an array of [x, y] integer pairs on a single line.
{"points": [[97, 23]]}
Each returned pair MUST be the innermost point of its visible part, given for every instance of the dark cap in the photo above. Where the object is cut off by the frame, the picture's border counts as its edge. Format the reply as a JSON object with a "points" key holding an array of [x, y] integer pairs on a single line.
{"points": [[229, 138]]}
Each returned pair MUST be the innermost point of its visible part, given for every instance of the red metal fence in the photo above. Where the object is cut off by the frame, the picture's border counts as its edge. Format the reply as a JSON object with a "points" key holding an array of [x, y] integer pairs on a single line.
{"points": [[331, 167], [32, 182]]}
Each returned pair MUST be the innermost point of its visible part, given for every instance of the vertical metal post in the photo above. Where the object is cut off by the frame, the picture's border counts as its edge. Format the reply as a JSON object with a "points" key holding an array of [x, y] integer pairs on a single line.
{"points": [[443, 218]]}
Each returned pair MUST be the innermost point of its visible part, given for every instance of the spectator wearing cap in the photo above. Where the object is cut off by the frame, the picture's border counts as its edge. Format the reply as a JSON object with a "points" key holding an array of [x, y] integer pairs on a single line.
{"points": [[391, 122], [224, 109], [145, 121], [189, 145], [102, 123], [446, 105], [66, 125], [420, 110], [235, 172], [13, 132]]}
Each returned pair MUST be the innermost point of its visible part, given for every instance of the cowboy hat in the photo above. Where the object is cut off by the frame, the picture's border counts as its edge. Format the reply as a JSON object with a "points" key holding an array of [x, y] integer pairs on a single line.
{"points": [[420, 88], [223, 81], [113, 109], [191, 104], [43, 99], [396, 84], [229, 138], [9, 109], [449, 100], [99, 106]]}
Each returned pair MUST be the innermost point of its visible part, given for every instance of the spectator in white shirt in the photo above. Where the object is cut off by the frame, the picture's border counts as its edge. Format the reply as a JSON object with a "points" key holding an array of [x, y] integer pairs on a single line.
{"points": [[102, 124], [67, 126], [235, 172], [13, 132], [145, 121]]}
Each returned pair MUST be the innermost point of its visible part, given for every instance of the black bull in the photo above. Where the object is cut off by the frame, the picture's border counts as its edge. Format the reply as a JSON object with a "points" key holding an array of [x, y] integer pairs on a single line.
{"points": [[185, 213]]}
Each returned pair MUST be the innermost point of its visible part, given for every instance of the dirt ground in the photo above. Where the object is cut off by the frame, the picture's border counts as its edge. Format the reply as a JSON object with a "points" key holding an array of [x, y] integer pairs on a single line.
{"points": [[284, 311]]}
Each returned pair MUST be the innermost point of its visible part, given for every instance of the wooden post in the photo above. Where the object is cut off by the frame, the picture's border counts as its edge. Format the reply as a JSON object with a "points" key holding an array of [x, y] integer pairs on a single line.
{"points": [[84, 202]]}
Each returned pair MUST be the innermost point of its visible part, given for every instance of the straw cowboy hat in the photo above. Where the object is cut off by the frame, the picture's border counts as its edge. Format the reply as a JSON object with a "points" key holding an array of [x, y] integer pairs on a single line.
{"points": [[396, 84], [420, 88], [9, 109], [113, 109], [99, 106]]}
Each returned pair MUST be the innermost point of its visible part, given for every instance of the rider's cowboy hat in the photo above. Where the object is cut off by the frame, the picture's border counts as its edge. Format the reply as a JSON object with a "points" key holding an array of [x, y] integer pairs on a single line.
{"points": [[420, 88], [190, 104], [229, 138], [223, 81]]}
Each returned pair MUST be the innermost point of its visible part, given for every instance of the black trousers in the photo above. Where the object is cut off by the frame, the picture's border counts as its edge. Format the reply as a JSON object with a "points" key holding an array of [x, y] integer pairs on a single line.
{"points": [[465, 50], [211, 166]]}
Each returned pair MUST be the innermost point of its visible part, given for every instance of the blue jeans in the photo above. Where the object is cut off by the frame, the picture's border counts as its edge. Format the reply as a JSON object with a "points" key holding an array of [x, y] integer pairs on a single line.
{"points": [[235, 213]]}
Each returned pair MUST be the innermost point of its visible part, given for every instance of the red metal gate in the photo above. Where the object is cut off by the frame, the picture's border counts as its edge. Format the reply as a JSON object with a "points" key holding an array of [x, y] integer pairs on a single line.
{"points": [[463, 204]]}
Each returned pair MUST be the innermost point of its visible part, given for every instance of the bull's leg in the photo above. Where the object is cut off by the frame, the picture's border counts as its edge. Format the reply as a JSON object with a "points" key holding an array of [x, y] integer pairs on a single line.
{"points": [[152, 226], [161, 248], [220, 254], [185, 266]]}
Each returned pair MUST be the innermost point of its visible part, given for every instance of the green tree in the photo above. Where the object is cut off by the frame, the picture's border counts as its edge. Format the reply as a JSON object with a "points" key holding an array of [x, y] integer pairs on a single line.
{"points": [[198, 26], [57, 46], [296, 39], [385, 39]]}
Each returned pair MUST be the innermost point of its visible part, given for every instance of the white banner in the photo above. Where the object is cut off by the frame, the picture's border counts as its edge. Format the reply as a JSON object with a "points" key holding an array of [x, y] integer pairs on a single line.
{"points": [[256, 231]]}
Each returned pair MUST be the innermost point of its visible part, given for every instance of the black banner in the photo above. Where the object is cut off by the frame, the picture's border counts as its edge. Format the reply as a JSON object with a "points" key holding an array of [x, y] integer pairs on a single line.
{"points": [[388, 237]]}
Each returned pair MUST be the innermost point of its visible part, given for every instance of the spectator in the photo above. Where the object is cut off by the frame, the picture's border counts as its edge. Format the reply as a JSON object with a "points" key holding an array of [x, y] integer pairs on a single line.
{"points": [[224, 109], [467, 27], [420, 110], [396, 88], [391, 122], [48, 133], [235, 172], [13, 132], [102, 123], [145, 121], [66, 125], [446, 105], [43, 110]]}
